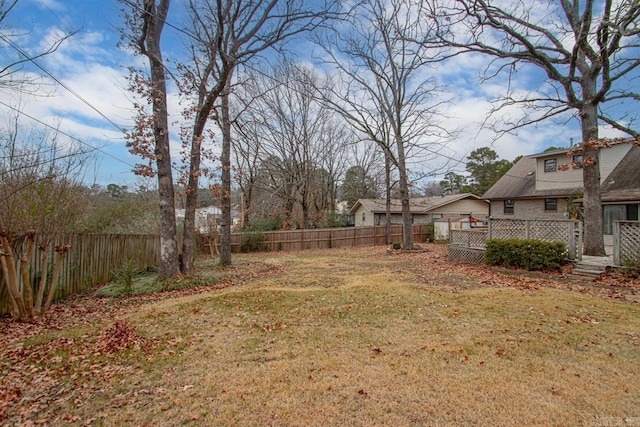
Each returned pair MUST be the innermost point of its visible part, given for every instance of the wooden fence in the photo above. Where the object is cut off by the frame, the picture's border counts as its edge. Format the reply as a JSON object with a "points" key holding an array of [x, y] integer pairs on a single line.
{"points": [[92, 259], [325, 238]]}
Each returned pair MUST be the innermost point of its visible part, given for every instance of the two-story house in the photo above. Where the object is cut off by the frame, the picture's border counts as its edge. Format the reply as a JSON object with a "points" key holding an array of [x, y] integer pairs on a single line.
{"points": [[541, 186]]}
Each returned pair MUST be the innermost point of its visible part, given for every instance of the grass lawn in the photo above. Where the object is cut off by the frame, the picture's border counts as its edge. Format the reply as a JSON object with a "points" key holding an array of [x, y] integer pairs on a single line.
{"points": [[336, 337]]}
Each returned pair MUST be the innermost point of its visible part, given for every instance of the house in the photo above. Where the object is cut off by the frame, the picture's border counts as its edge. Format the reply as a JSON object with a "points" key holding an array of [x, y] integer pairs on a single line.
{"points": [[424, 210], [549, 185], [207, 218]]}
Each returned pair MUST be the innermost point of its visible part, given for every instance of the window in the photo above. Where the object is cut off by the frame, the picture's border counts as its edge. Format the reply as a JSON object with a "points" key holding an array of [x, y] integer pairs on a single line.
{"points": [[577, 161], [364, 217], [550, 204], [508, 206], [550, 165], [611, 213]]}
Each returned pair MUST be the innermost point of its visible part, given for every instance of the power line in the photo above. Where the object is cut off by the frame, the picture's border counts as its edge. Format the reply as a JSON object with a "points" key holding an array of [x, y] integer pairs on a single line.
{"points": [[66, 134], [47, 72]]}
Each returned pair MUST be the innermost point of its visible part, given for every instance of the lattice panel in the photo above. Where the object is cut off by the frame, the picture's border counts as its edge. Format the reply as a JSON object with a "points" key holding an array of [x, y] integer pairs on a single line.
{"points": [[468, 238], [550, 231], [508, 229], [466, 255], [630, 241]]}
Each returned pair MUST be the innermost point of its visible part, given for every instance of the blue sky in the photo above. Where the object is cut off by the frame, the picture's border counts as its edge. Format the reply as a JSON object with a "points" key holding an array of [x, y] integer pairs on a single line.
{"points": [[91, 65]]}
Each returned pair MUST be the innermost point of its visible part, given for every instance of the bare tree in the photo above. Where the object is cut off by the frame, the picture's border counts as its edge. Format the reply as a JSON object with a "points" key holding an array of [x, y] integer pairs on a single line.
{"points": [[383, 81], [40, 198], [301, 142], [150, 136], [588, 51], [226, 35]]}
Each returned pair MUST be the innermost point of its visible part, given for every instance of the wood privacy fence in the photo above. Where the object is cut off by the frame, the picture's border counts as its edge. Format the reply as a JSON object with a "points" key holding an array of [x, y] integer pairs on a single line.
{"points": [[92, 259], [325, 238]]}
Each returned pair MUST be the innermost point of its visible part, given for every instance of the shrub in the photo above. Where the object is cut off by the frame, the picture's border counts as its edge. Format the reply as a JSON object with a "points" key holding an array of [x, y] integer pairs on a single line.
{"points": [[396, 245], [125, 275], [632, 266], [529, 254], [429, 231], [253, 242]]}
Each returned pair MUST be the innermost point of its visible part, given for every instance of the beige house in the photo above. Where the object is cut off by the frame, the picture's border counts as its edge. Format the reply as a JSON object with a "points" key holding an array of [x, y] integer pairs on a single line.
{"points": [[541, 186], [424, 210]]}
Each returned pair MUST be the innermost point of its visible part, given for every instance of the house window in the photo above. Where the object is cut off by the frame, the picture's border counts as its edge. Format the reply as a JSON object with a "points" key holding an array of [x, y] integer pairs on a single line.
{"points": [[550, 204], [611, 213], [364, 217], [550, 165], [508, 206], [577, 161]]}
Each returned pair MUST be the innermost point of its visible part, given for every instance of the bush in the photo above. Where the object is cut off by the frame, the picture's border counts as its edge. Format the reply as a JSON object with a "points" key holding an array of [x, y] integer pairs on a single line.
{"points": [[253, 242], [396, 246], [529, 254]]}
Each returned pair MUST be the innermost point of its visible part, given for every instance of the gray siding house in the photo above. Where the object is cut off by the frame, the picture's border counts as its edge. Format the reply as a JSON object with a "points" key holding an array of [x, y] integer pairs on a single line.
{"points": [[542, 186]]}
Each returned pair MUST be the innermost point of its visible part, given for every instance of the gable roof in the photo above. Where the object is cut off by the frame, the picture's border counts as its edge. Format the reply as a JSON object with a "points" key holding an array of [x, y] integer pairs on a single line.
{"points": [[623, 183], [519, 181], [420, 205]]}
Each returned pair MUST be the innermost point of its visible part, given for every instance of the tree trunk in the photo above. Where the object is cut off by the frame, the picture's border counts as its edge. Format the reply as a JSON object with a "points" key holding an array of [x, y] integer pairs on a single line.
{"points": [[189, 228], [593, 229], [225, 160], [169, 263], [407, 236], [387, 177], [11, 276], [61, 254], [24, 272]]}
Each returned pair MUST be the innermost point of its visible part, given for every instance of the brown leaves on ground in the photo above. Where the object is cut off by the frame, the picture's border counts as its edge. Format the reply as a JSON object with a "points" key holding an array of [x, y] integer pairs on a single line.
{"points": [[36, 372], [40, 368]]}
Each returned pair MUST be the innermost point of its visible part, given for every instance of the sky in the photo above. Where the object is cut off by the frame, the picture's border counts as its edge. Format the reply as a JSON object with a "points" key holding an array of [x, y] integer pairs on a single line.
{"points": [[90, 103]]}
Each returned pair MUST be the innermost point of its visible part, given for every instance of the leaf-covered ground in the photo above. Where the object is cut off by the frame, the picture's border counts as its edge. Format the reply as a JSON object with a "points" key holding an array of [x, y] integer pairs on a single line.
{"points": [[347, 336]]}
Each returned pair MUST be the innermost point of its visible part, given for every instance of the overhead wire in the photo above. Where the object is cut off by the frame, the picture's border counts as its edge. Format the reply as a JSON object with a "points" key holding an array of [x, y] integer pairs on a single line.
{"points": [[65, 134]]}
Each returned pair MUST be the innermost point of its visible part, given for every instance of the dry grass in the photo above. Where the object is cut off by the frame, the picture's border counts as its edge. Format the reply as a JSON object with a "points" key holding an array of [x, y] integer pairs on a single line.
{"points": [[357, 337]]}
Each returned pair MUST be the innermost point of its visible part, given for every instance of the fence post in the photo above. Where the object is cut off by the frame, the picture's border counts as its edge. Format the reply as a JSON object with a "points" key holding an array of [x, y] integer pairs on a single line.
{"points": [[489, 228], [616, 243], [527, 225], [572, 240]]}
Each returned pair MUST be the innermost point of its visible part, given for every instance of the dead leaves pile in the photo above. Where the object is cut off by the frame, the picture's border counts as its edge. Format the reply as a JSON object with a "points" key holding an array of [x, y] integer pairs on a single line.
{"points": [[41, 373]]}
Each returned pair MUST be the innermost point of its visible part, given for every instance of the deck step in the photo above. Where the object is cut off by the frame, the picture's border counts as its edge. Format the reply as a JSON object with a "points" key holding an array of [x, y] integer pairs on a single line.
{"points": [[586, 272]]}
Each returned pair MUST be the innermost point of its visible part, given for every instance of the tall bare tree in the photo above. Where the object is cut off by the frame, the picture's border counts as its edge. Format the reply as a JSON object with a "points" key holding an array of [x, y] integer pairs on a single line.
{"points": [[383, 72], [301, 142], [150, 136], [226, 35], [588, 51]]}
